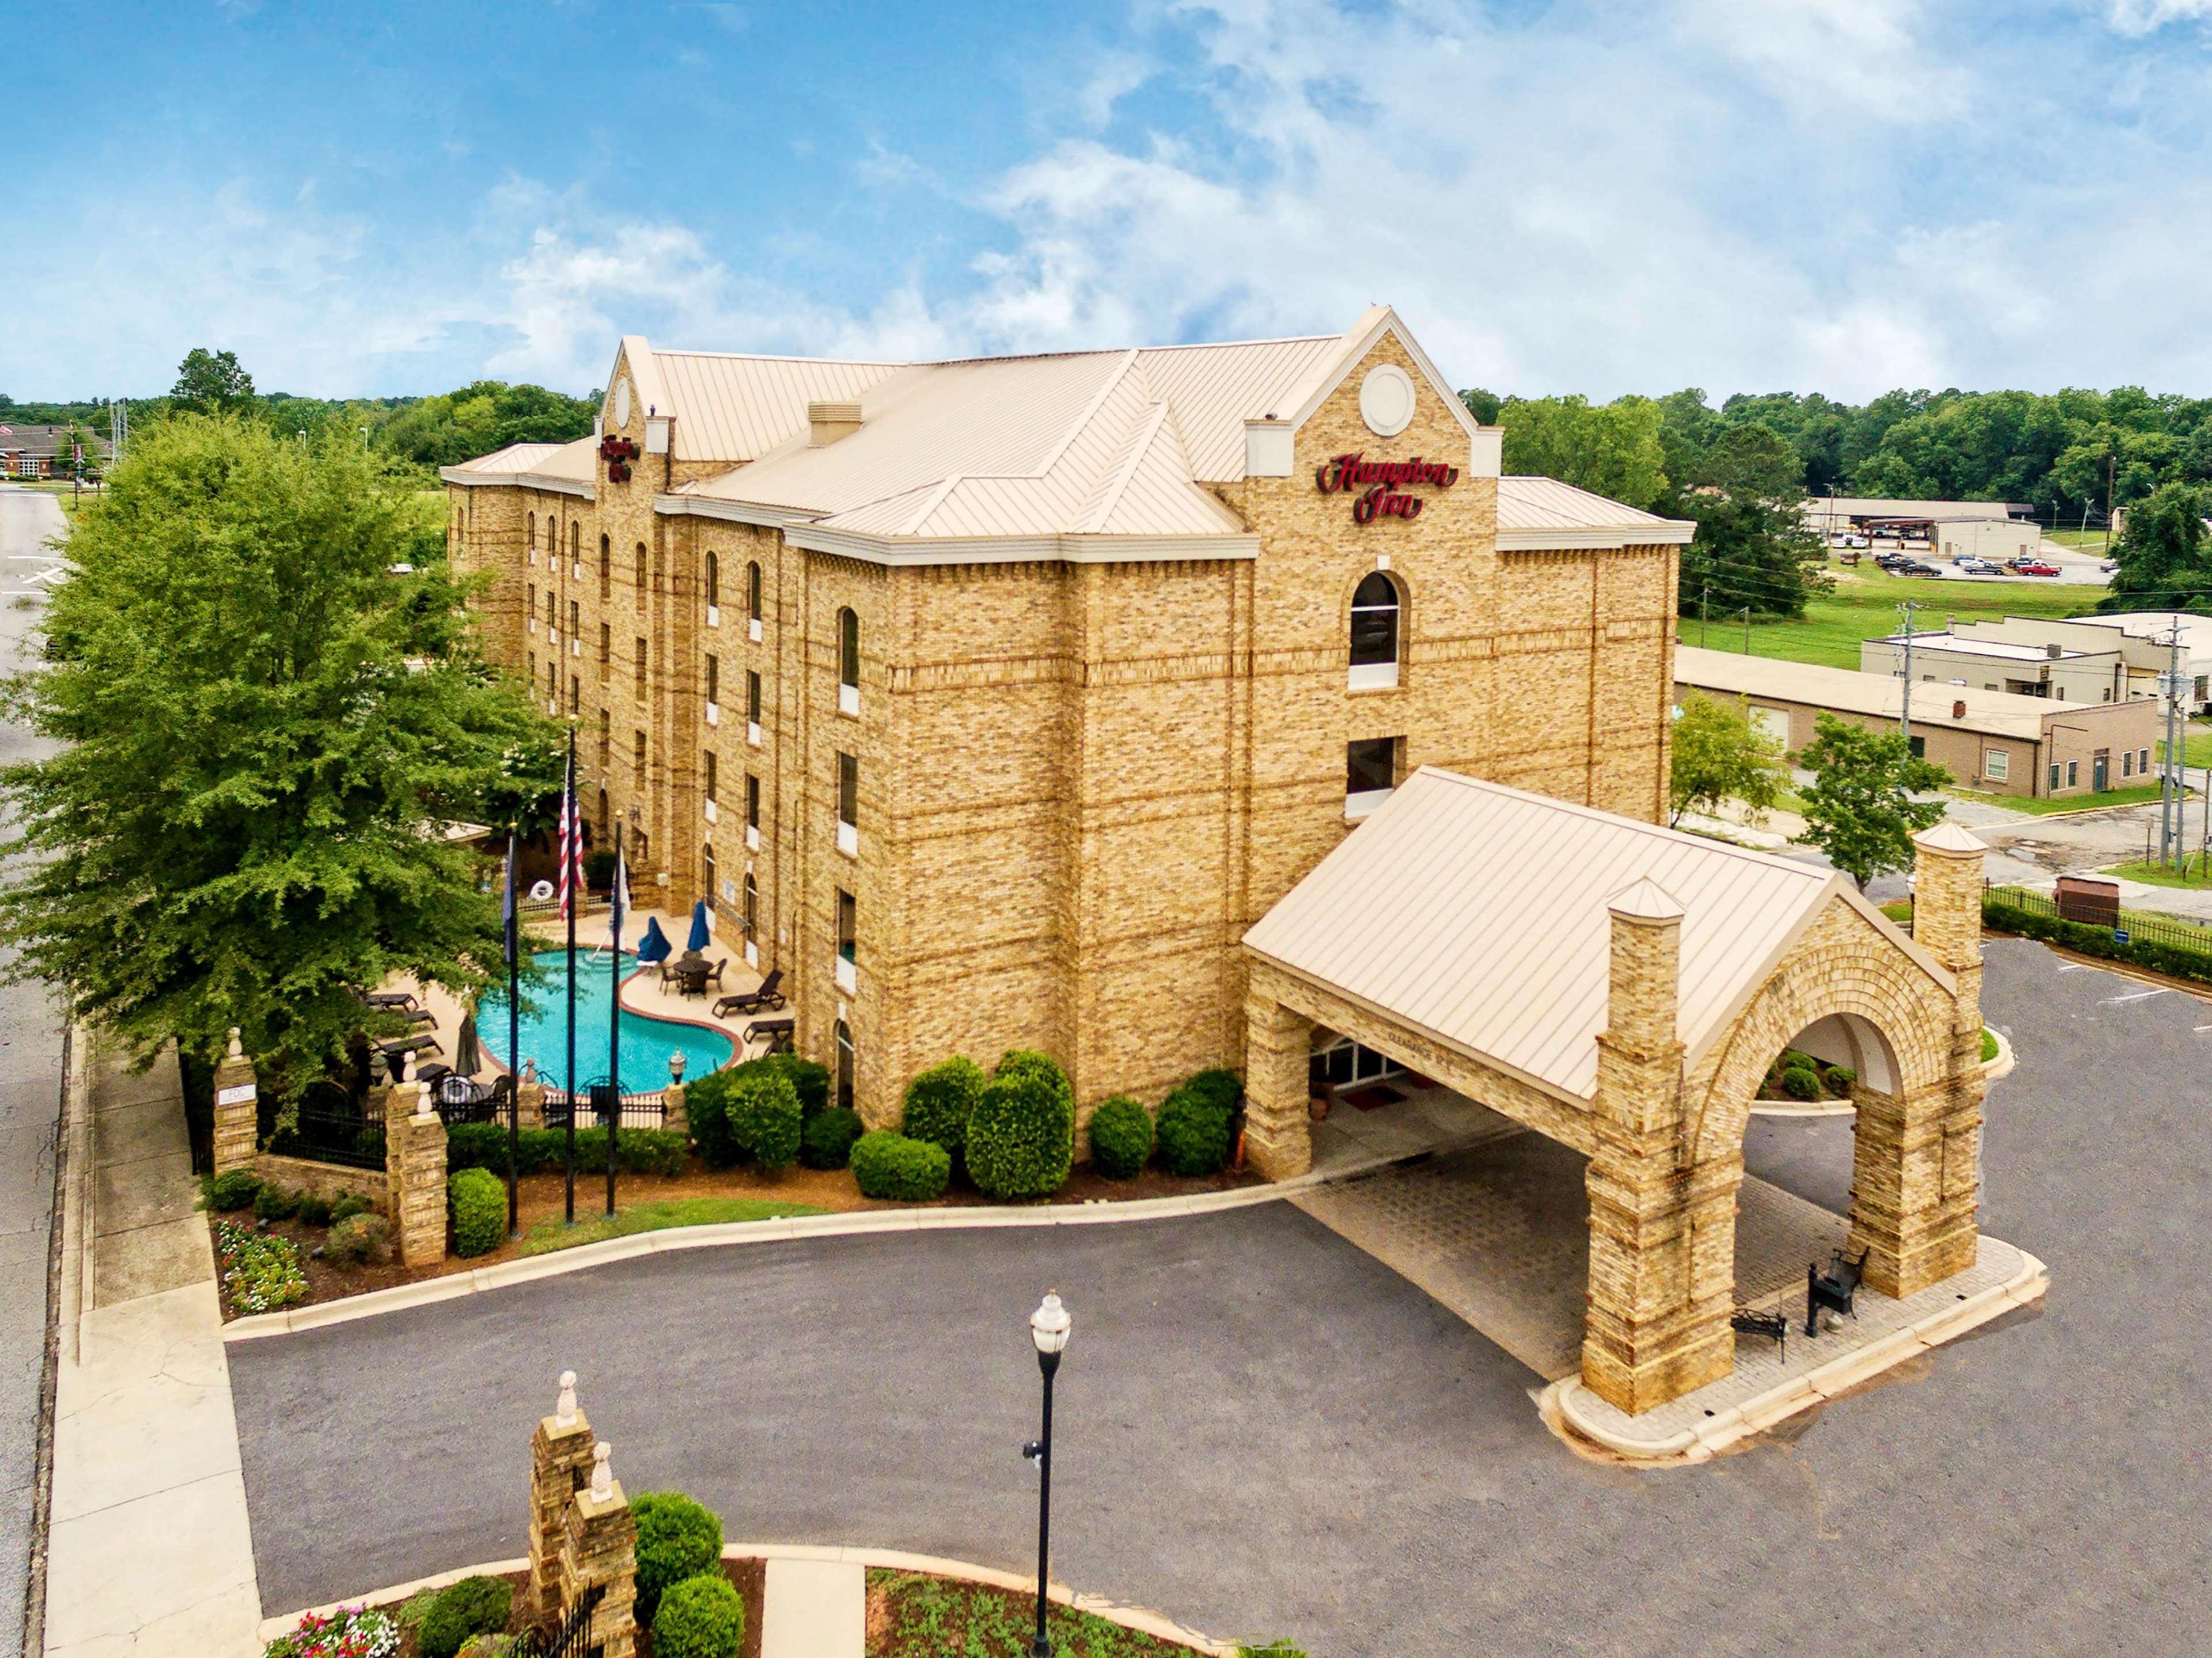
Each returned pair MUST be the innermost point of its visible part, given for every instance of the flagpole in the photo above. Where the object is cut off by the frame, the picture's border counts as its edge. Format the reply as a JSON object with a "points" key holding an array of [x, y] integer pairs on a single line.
{"points": [[514, 1047], [621, 896], [569, 904]]}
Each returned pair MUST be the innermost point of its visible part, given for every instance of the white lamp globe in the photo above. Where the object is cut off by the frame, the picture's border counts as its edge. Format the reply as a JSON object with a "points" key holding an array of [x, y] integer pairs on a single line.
{"points": [[1050, 1324]]}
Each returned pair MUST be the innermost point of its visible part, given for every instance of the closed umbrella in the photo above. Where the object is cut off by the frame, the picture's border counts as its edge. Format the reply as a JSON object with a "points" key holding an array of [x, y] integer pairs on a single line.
{"points": [[468, 1060], [654, 947], [697, 941]]}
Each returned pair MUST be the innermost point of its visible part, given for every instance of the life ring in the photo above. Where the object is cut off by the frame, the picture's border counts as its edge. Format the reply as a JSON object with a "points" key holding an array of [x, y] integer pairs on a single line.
{"points": [[541, 892]]}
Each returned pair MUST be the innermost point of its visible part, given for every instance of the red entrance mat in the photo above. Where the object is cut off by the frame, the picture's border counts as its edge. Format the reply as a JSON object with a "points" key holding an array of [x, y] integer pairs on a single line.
{"points": [[1375, 1098]]}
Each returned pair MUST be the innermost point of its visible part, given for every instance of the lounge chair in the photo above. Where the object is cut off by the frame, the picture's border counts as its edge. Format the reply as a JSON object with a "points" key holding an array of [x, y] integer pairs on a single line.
{"points": [[397, 1001], [752, 1001], [776, 1033]]}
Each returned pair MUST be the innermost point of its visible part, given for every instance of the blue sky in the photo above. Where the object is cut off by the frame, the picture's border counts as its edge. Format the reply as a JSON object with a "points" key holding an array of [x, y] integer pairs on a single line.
{"points": [[1843, 195]]}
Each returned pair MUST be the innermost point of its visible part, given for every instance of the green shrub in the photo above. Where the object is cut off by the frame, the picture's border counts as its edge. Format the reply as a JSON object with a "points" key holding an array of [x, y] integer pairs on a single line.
{"points": [[702, 1617], [1021, 1139], [829, 1137], [706, 1103], [637, 1151], [415, 1607], [598, 869], [314, 1209], [478, 1203], [2098, 942], [765, 1119], [259, 1271], [234, 1189], [275, 1202], [1220, 1089], [1802, 1082], [475, 1606], [488, 1646], [1988, 1044], [677, 1538], [940, 1101], [809, 1079], [1194, 1131], [1121, 1138], [1839, 1079], [893, 1168], [347, 1205], [357, 1238]]}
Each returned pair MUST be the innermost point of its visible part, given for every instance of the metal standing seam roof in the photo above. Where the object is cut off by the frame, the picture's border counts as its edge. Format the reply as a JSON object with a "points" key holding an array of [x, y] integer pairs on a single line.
{"points": [[2004, 713], [1542, 503], [738, 408], [2007, 649], [515, 458], [1479, 913]]}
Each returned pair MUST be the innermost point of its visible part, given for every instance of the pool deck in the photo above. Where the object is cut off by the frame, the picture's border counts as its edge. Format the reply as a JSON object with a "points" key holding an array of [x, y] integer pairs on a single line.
{"points": [[643, 993]]}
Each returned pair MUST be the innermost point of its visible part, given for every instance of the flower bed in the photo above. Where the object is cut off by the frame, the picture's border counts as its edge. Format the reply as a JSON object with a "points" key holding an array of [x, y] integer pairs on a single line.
{"points": [[260, 1272], [348, 1632], [915, 1615]]}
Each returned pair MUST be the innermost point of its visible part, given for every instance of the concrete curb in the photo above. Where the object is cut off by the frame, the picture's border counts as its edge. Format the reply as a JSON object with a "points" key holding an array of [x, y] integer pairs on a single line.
{"points": [[2000, 1065], [1098, 1606], [1558, 1403], [375, 1302]]}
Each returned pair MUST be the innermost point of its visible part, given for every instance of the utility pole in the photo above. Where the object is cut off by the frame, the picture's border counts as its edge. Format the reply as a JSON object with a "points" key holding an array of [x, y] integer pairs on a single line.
{"points": [[2170, 774], [1705, 599], [1905, 711], [1747, 630], [2111, 470]]}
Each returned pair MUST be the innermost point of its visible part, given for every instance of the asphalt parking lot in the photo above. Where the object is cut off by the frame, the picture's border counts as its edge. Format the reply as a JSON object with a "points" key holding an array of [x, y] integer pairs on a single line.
{"points": [[1264, 1431]]}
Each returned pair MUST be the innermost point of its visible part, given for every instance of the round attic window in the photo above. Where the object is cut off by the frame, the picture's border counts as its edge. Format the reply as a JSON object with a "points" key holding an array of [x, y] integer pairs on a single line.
{"points": [[622, 403], [1386, 400]]}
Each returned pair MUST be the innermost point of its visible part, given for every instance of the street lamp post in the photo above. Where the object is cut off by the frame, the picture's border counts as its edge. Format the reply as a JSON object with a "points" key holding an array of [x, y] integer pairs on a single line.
{"points": [[1048, 1328]]}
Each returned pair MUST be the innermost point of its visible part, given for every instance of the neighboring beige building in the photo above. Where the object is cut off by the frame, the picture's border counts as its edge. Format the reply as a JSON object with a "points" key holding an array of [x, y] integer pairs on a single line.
{"points": [[1994, 539], [2091, 673], [1835, 515], [1990, 740], [993, 700]]}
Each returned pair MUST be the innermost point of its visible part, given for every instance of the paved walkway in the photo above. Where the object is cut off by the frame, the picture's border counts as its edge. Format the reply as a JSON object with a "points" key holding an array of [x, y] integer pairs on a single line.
{"points": [[149, 1551], [814, 1609]]}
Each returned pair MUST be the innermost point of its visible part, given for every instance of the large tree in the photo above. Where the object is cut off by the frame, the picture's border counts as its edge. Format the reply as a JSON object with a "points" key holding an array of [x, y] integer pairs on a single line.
{"points": [[1752, 550], [1719, 755], [1612, 449], [212, 383], [261, 732], [2163, 553], [1859, 808]]}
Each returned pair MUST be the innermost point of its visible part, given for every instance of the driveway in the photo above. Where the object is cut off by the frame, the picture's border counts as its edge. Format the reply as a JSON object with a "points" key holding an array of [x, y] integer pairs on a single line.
{"points": [[1265, 1431]]}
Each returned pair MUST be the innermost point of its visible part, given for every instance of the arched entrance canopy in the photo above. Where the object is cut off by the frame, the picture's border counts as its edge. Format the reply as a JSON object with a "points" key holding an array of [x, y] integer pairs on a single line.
{"points": [[1622, 988]]}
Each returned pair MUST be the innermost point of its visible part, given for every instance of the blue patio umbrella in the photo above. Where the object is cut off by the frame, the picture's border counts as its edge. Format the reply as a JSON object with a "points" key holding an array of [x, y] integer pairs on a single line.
{"points": [[654, 947], [697, 941]]}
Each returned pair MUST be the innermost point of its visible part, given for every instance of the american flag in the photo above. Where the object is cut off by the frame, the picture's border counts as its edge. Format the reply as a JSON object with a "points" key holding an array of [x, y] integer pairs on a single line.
{"points": [[572, 831]]}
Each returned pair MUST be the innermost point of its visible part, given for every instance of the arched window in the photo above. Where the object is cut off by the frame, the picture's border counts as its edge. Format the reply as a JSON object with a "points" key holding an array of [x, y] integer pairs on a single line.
{"points": [[714, 581], [1374, 632], [844, 1066], [849, 662], [640, 573], [532, 537], [575, 543], [606, 565], [707, 870], [753, 590]]}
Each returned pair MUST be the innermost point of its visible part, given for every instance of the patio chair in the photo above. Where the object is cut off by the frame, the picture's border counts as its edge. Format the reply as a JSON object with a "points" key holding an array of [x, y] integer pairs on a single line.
{"points": [[776, 1033], [397, 1001], [714, 974], [418, 1044], [752, 1001]]}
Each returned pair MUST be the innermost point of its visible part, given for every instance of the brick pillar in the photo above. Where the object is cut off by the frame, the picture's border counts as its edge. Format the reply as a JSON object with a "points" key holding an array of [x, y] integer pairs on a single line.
{"points": [[598, 1547], [1277, 1048], [673, 1113], [1662, 1235], [237, 1109], [1916, 1179], [530, 1098], [560, 1466], [415, 1172]]}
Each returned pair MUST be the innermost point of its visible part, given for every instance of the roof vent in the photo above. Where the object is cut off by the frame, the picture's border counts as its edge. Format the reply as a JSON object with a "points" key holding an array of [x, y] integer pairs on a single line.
{"points": [[828, 422], [1958, 708], [2054, 650]]}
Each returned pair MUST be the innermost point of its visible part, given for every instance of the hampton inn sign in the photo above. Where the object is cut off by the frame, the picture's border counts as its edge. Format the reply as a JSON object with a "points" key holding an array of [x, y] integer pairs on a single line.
{"points": [[1378, 482]]}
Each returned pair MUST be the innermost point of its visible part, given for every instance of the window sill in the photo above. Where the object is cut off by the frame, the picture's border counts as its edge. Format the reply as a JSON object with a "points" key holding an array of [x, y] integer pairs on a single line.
{"points": [[713, 812], [713, 714], [753, 733], [848, 700], [753, 629], [1363, 804], [1372, 676], [848, 980], [752, 837], [714, 616], [849, 840]]}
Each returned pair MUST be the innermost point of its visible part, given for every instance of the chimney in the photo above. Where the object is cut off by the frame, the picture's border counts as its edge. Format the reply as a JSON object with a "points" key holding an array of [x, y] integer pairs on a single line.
{"points": [[828, 422], [1958, 708]]}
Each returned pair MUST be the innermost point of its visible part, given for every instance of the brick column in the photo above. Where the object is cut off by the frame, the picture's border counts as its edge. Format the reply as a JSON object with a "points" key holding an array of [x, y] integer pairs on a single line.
{"points": [[237, 1109], [598, 1548], [1663, 1234], [530, 1098], [415, 1172], [673, 1113], [1278, 1048], [560, 1466], [1916, 1179]]}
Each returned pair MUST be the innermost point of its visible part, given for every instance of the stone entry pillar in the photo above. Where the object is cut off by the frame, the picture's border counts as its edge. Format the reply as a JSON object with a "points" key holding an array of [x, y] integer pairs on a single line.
{"points": [[599, 1550], [1278, 1049], [530, 1098], [560, 1466], [415, 1171], [1916, 1156], [237, 1109], [1663, 1234]]}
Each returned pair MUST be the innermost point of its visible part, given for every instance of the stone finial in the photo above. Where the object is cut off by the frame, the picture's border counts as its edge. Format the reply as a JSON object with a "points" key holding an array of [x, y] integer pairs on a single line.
{"points": [[237, 1048], [602, 1473], [564, 1407], [407, 1067], [530, 1071]]}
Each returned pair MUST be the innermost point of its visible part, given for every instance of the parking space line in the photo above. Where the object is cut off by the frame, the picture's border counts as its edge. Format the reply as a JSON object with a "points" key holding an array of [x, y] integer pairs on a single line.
{"points": [[2140, 996]]}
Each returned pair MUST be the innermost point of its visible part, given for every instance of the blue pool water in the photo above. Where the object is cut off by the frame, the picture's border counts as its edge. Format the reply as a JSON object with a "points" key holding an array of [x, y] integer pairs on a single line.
{"points": [[646, 1042]]}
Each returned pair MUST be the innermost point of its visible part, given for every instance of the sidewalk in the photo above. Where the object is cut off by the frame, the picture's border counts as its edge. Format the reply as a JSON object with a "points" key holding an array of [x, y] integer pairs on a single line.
{"points": [[148, 1550]]}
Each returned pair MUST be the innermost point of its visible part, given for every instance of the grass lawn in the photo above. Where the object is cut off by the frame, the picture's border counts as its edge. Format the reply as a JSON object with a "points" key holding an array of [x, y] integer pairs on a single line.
{"points": [[1988, 1044], [913, 1616], [2196, 747], [2044, 805], [1864, 606], [2080, 541], [550, 1235], [2193, 876]]}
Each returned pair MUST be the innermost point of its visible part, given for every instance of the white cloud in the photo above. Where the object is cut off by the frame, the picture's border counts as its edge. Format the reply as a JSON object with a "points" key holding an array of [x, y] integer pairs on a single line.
{"points": [[2140, 17]]}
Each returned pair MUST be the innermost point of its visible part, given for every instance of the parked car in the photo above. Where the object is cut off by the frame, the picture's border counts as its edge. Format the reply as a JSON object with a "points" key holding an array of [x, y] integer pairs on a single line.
{"points": [[2034, 566], [1852, 541], [1914, 566], [2108, 565], [1974, 565]]}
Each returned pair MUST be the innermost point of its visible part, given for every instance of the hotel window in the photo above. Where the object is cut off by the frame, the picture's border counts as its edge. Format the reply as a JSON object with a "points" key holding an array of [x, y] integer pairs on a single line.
{"points": [[532, 614], [606, 741], [533, 667], [844, 1066], [641, 575], [2143, 760], [2054, 777], [2073, 774], [1996, 765], [533, 521], [706, 869], [576, 623], [1373, 633], [640, 757], [753, 595], [713, 774], [848, 942], [849, 662], [752, 902], [606, 645], [575, 543], [606, 566], [552, 682], [848, 804], [752, 811], [713, 585], [552, 616], [2127, 762], [752, 697], [575, 694], [1370, 773], [713, 679], [641, 668]]}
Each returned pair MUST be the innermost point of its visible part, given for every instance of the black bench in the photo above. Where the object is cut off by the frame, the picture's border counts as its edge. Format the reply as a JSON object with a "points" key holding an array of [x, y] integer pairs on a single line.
{"points": [[1775, 1326], [1832, 1290]]}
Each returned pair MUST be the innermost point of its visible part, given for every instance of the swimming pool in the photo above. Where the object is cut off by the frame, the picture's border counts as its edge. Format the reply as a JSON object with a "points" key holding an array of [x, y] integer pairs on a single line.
{"points": [[646, 1042]]}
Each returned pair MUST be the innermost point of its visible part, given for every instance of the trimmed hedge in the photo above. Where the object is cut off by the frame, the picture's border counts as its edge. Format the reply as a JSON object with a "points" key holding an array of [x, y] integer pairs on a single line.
{"points": [[1194, 1130], [706, 1103], [940, 1101], [234, 1189], [1802, 1082], [828, 1138], [314, 1209], [275, 1202], [478, 1202], [677, 1537], [809, 1079], [1220, 1088], [1021, 1139], [637, 1151], [900, 1171], [2098, 942], [473, 1606], [1121, 1138], [764, 1117], [357, 1238], [349, 1203], [702, 1617]]}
